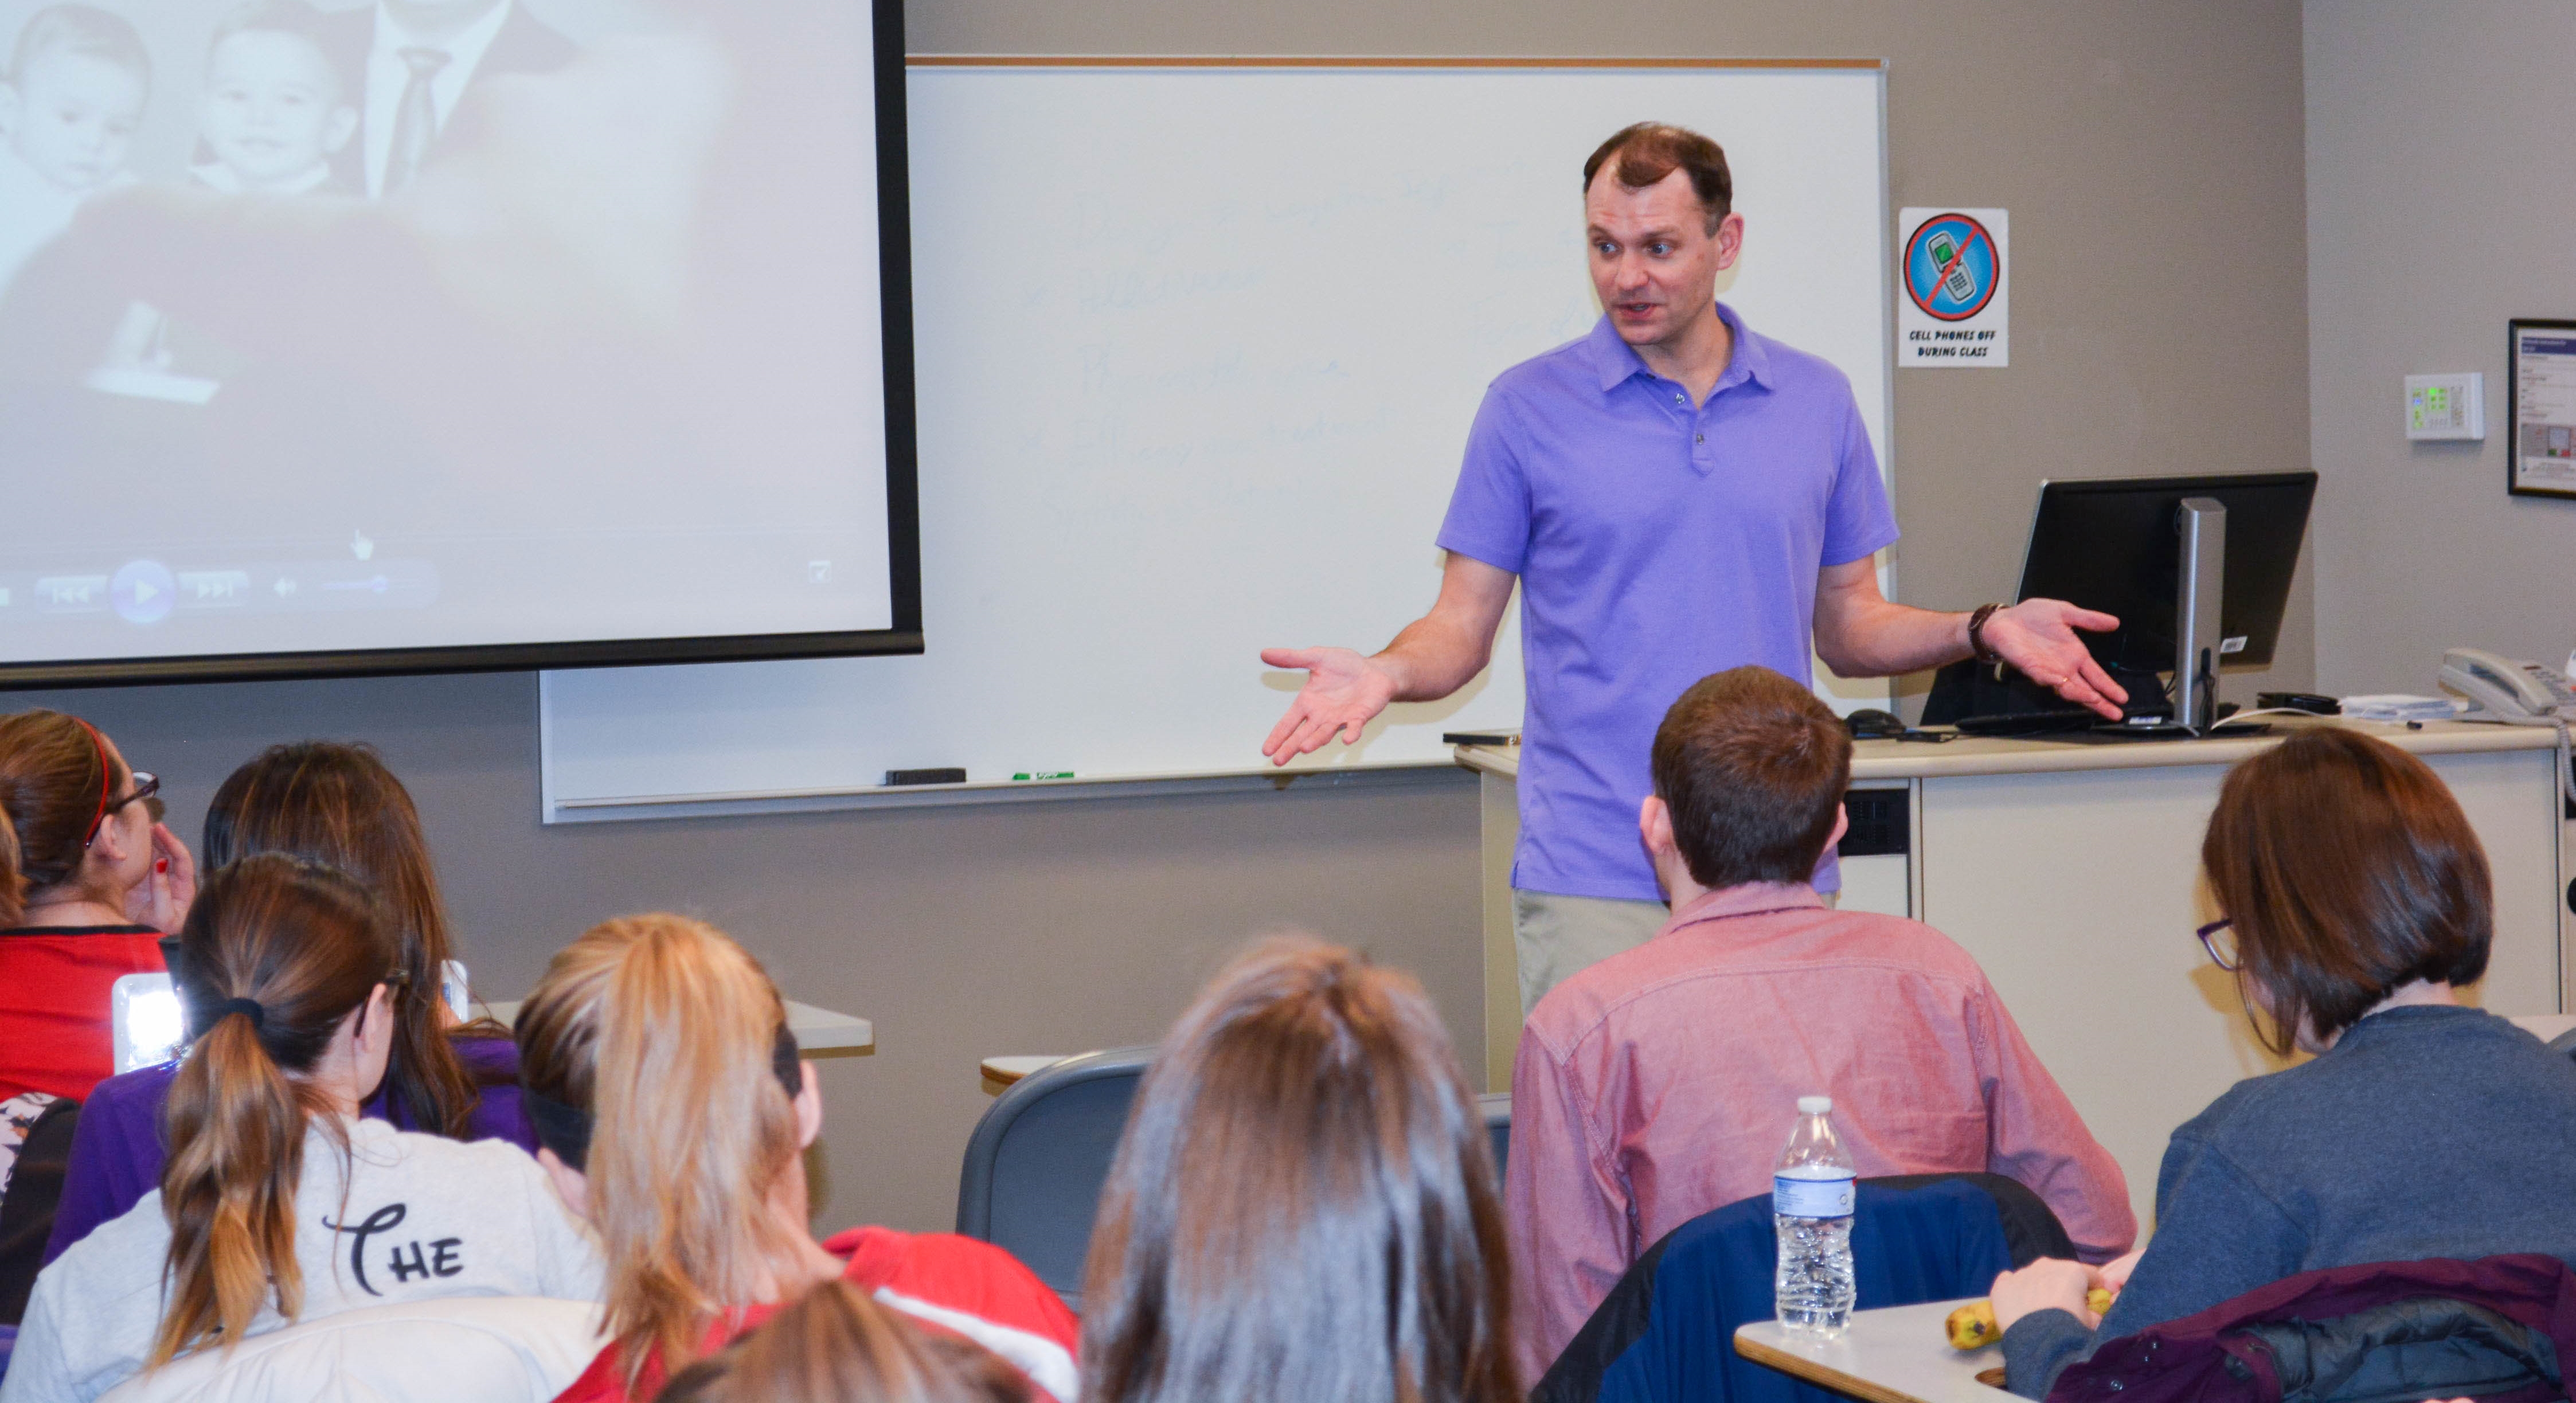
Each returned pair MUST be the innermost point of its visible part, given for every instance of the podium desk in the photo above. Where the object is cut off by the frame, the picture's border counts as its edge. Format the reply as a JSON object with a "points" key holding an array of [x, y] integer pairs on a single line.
{"points": [[2071, 871]]}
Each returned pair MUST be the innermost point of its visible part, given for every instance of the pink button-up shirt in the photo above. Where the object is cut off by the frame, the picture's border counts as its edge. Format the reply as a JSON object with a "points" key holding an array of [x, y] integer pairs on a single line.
{"points": [[1663, 1082]]}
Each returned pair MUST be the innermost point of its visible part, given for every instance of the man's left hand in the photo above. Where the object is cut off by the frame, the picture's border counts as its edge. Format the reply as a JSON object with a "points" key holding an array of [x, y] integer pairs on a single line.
{"points": [[2037, 636]]}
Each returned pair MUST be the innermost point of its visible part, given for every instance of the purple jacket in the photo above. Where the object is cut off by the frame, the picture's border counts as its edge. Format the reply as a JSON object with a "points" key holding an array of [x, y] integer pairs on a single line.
{"points": [[2209, 1356], [117, 1150]]}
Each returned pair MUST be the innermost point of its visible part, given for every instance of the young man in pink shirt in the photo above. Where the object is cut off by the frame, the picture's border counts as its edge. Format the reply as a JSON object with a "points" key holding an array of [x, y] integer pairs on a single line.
{"points": [[1662, 1082]]}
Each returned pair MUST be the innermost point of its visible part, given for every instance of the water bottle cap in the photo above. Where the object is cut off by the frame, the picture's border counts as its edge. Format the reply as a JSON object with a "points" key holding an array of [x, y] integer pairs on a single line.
{"points": [[1815, 1105]]}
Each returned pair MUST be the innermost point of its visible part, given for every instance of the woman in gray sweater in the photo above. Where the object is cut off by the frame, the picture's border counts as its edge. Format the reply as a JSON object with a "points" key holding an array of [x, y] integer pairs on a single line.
{"points": [[2358, 906], [277, 1202]]}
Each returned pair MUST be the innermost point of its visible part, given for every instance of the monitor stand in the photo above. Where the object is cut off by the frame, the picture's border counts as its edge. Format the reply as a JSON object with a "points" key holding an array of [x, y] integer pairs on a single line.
{"points": [[2201, 529]]}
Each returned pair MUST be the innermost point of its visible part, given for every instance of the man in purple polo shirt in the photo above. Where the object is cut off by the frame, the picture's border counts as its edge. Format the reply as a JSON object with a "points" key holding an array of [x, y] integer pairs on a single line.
{"points": [[1677, 494]]}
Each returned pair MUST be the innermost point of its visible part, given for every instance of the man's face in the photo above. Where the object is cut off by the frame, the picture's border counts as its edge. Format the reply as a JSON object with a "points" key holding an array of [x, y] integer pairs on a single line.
{"points": [[72, 117], [1654, 261], [273, 108]]}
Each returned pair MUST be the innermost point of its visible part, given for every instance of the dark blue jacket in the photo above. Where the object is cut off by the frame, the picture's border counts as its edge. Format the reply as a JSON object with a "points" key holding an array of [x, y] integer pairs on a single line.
{"points": [[1666, 1332]]}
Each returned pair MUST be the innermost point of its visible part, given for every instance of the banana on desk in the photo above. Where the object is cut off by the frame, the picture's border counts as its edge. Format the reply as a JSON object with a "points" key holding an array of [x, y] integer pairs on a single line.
{"points": [[1972, 1326]]}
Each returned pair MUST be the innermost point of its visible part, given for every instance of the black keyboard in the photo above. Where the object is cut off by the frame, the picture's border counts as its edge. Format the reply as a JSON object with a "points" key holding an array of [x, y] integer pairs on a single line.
{"points": [[2030, 723]]}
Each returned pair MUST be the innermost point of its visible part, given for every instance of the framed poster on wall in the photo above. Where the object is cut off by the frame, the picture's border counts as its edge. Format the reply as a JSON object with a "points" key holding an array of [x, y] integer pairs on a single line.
{"points": [[2540, 458]]}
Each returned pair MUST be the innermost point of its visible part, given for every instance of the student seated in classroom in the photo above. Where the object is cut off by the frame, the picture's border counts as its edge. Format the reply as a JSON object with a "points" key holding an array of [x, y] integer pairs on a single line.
{"points": [[2356, 904], [673, 1112], [1303, 1204], [89, 883], [836, 1345], [279, 1203], [336, 804], [1662, 1082]]}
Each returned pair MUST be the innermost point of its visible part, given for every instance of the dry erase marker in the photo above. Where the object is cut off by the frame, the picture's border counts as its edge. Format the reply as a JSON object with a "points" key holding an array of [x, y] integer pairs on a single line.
{"points": [[1044, 774]]}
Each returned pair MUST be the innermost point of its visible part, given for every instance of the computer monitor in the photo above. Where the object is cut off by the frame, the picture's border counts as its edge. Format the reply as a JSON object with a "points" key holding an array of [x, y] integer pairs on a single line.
{"points": [[2111, 544]]}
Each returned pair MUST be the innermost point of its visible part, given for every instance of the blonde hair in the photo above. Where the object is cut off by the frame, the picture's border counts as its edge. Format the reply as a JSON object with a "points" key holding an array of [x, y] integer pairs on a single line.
{"points": [[275, 954], [662, 1030], [834, 1345]]}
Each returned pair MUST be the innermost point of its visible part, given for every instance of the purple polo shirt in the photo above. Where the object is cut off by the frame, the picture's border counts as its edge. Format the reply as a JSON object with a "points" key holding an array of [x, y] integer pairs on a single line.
{"points": [[1656, 544]]}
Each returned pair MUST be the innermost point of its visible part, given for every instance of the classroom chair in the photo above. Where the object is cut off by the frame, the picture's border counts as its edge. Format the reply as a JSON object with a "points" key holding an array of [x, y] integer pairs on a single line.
{"points": [[1666, 1332], [1496, 1107], [1039, 1157]]}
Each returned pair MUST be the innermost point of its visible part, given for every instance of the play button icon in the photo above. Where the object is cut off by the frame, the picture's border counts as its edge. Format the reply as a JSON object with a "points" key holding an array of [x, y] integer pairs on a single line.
{"points": [[143, 591]]}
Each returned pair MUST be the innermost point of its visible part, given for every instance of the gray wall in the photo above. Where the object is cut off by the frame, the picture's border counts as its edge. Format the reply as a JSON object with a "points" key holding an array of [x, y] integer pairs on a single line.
{"points": [[2111, 130], [2436, 212]]}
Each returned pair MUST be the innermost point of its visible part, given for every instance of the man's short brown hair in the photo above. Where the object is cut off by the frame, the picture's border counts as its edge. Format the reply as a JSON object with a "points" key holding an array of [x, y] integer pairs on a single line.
{"points": [[1649, 151], [2348, 871], [1753, 767]]}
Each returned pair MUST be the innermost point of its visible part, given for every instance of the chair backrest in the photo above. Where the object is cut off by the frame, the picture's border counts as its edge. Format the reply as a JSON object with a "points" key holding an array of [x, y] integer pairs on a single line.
{"points": [[1666, 1331], [1497, 1109], [493, 1349], [1039, 1157]]}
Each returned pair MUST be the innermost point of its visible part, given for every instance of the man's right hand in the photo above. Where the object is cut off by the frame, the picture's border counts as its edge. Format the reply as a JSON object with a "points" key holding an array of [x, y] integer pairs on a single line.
{"points": [[1344, 691]]}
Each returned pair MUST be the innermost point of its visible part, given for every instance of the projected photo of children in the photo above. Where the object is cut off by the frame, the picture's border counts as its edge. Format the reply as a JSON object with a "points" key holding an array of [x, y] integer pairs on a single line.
{"points": [[458, 273]]}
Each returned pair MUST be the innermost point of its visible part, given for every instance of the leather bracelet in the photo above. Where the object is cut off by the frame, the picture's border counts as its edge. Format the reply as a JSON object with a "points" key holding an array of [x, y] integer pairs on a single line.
{"points": [[1977, 633]]}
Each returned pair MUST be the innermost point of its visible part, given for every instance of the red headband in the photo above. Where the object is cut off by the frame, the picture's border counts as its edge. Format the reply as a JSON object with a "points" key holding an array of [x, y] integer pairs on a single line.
{"points": [[106, 783]]}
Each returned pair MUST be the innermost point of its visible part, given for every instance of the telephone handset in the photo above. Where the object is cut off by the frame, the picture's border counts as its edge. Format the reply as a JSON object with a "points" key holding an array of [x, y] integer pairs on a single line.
{"points": [[2507, 690]]}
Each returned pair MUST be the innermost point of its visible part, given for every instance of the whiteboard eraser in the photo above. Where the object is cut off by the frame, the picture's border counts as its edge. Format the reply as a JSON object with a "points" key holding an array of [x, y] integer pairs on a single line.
{"points": [[940, 776]]}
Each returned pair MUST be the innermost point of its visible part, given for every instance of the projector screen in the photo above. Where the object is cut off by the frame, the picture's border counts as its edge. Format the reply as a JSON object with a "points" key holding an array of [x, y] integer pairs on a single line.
{"points": [[447, 334]]}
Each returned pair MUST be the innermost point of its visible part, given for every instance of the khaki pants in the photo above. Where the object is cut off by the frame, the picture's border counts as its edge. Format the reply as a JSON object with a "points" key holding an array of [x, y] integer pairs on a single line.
{"points": [[1554, 936]]}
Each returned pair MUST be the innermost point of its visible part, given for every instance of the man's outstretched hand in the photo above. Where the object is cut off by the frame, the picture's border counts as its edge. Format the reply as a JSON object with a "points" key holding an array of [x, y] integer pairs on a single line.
{"points": [[2037, 636], [1343, 693]]}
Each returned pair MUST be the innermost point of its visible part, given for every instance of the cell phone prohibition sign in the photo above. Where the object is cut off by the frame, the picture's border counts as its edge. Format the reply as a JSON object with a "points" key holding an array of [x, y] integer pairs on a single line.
{"points": [[1950, 267]]}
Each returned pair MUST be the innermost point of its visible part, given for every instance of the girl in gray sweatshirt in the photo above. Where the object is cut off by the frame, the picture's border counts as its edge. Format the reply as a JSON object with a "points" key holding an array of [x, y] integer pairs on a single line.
{"points": [[278, 1203]]}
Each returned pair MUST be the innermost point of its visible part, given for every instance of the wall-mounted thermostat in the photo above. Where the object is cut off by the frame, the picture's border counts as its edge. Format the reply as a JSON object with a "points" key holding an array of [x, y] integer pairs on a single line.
{"points": [[2446, 406]]}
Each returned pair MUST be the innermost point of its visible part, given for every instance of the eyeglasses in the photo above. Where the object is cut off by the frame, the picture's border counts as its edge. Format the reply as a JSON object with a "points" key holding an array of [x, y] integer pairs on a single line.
{"points": [[2219, 939], [146, 786], [146, 791]]}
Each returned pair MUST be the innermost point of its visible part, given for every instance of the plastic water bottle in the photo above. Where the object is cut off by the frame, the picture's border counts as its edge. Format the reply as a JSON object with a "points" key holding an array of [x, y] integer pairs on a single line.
{"points": [[1811, 1207]]}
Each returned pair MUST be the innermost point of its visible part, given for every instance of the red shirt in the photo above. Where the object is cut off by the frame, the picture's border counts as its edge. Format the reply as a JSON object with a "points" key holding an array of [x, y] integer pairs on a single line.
{"points": [[54, 1007], [966, 1287], [1663, 1082]]}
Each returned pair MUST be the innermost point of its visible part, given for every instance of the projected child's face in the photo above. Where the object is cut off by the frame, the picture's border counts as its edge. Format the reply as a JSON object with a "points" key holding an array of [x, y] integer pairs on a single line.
{"points": [[71, 117], [273, 107]]}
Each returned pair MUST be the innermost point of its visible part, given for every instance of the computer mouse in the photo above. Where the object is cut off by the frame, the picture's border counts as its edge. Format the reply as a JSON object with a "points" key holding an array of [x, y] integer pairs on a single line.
{"points": [[1870, 723]]}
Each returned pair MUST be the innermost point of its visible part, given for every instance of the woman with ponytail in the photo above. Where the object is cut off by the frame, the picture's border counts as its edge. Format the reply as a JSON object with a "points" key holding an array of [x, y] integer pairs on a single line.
{"points": [[337, 805], [89, 882], [279, 1202], [655, 1060]]}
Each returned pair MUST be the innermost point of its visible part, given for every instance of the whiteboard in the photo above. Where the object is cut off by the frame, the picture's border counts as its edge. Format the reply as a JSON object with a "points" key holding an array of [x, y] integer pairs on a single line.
{"points": [[1198, 346]]}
